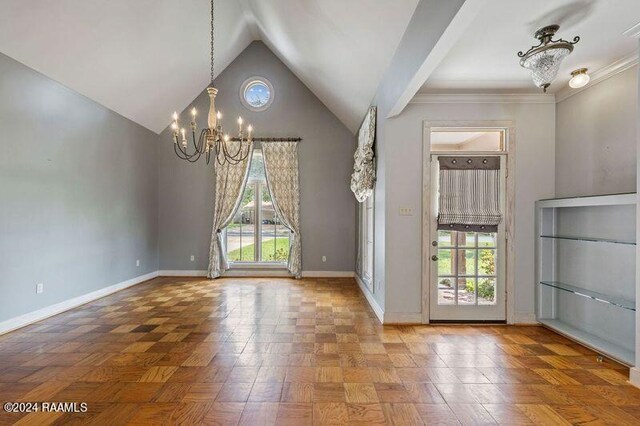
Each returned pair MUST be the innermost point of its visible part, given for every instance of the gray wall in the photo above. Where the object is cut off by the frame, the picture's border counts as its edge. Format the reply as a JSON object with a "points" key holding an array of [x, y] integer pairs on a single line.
{"points": [[596, 138], [328, 207], [534, 165], [78, 185]]}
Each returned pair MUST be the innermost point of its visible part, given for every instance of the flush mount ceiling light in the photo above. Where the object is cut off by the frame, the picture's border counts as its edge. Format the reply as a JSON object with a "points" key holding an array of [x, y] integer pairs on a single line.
{"points": [[544, 59], [579, 78], [212, 139]]}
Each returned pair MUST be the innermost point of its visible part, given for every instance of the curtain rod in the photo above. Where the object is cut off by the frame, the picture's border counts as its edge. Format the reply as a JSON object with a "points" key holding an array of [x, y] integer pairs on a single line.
{"points": [[271, 139]]}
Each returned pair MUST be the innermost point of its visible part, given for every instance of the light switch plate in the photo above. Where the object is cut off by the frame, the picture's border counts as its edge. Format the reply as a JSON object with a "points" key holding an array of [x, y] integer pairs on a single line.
{"points": [[406, 211]]}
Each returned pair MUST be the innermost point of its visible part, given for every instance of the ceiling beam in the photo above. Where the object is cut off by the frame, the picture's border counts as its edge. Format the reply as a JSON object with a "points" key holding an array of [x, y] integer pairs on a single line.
{"points": [[421, 29]]}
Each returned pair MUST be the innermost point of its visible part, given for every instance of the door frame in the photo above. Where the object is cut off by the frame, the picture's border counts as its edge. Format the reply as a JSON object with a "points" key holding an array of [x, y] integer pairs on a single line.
{"points": [[510, 146]]}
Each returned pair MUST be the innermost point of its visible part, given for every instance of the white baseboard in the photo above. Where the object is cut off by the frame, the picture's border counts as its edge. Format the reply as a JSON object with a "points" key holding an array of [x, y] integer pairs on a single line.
{"points": [[35, 316], [262, 273], [256, 273], [372, 302], [524, 319], [328, 274], [402, 318], [634, 376], [182, 273]]}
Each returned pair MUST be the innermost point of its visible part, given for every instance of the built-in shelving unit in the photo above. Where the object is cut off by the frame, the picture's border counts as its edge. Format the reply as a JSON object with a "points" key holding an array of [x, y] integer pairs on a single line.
{"points": [[586, 251]]}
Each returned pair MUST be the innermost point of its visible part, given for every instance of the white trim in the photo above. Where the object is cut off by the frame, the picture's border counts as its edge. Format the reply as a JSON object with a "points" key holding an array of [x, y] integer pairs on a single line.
{"points": [[449, 37], [634, 376], [601, 75], [510, 126], [524, 318], [484, 98], [372, 302], [633, 32], [254, 272], [403, 318], [258, 265], [49, 311], [329, 274], [596, 200], [180, 273]]}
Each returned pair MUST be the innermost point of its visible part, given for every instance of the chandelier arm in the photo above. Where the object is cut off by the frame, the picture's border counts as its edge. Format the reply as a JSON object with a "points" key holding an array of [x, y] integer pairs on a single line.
{"points": [[231, 159], [183, 150], [238, 152], [180, 153], [193, 138]]}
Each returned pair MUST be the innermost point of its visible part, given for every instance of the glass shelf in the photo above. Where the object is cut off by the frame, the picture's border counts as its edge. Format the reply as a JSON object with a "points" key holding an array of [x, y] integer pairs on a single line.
{"points": [[613, 350], [600, 297], [596, 240]]}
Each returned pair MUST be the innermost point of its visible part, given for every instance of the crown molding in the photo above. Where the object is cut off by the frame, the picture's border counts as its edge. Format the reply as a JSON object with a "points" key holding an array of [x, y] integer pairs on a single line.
{"points": [[483, 98], [602, 74], [633, 31]]}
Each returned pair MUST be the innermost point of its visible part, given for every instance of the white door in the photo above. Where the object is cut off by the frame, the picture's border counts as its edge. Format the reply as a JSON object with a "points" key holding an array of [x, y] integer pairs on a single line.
{"points": [[467, 268]]}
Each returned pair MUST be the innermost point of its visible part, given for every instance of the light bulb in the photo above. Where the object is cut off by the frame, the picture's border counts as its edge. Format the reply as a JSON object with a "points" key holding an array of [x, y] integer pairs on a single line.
{"points": [[226, 138], [249, 128], [240, 121], [193, 111], [174, 126], [579, 78], [218, 115], [175, 115]]}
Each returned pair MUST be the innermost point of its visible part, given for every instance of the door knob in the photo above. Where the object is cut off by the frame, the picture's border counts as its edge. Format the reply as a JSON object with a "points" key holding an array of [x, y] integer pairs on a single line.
{"points": [[434, 257]]}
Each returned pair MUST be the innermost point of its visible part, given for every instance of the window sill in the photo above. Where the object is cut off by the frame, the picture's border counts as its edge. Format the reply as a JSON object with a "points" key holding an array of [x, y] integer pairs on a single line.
{"points": [[257, 265]]}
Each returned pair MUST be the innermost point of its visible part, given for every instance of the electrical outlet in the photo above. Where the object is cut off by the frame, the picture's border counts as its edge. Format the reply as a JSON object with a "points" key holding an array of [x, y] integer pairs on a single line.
{"points": [[39, 288], [138, 262], [324, 258], [193, 258], [406, 211]]}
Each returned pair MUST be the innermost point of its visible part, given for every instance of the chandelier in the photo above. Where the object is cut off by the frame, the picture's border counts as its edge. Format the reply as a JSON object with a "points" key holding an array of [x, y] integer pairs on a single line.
{"points": [[211, 140], [544, 59]]}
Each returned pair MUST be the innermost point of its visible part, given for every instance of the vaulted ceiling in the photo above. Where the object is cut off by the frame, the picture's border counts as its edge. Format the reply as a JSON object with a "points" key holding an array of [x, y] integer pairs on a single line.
{"points": [[147, 58]]}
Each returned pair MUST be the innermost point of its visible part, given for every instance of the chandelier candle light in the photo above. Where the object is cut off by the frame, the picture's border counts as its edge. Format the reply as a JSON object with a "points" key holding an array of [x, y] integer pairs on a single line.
{"points": [[212, 140], [544, 59]]}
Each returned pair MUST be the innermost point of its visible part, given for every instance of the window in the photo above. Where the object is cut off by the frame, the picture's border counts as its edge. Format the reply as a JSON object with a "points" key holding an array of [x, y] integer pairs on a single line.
{"points": [[467, 139], [466, 268], [256, 233], [256, 93], [366, 241]]}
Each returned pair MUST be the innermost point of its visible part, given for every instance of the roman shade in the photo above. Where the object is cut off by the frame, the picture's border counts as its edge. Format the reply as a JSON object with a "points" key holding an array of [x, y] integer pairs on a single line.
{"points": [[469, 197]]}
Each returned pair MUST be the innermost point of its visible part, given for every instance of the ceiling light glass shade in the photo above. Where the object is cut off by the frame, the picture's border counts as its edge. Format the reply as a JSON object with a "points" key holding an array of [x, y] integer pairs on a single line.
{"points": [[544, 66], [579, 78], [544, 59]]}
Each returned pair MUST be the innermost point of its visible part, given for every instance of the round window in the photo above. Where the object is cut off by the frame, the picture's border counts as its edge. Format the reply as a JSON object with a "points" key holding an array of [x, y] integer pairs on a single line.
{"points": [[256, 93]]}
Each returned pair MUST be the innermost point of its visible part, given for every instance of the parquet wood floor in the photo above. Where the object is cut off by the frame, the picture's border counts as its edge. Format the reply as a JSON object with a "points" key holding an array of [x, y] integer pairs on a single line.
{"points": [[280, 351]]}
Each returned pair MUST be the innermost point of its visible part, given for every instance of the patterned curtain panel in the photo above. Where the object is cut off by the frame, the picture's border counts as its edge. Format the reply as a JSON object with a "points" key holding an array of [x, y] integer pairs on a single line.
{"points": [[469, 194], [281, 168], [364, 167], [230, 182]]}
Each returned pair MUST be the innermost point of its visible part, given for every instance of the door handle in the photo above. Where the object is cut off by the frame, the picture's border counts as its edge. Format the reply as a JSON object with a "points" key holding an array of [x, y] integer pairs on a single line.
{"points": [[434, 257]]}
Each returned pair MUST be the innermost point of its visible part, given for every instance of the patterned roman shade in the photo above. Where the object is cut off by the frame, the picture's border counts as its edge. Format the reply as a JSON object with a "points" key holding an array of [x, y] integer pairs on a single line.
{"points": [[469, 194]]}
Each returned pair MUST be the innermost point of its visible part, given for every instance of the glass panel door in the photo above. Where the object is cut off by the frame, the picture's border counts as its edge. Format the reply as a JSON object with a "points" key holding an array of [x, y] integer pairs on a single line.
{"points": [[467, 268], [241, 232], [468, 259], [274, 235], [256, 234]]}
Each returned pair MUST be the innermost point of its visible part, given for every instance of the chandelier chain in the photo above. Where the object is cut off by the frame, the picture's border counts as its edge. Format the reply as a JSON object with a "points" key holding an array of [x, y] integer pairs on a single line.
{"points": [[212, 38]]}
